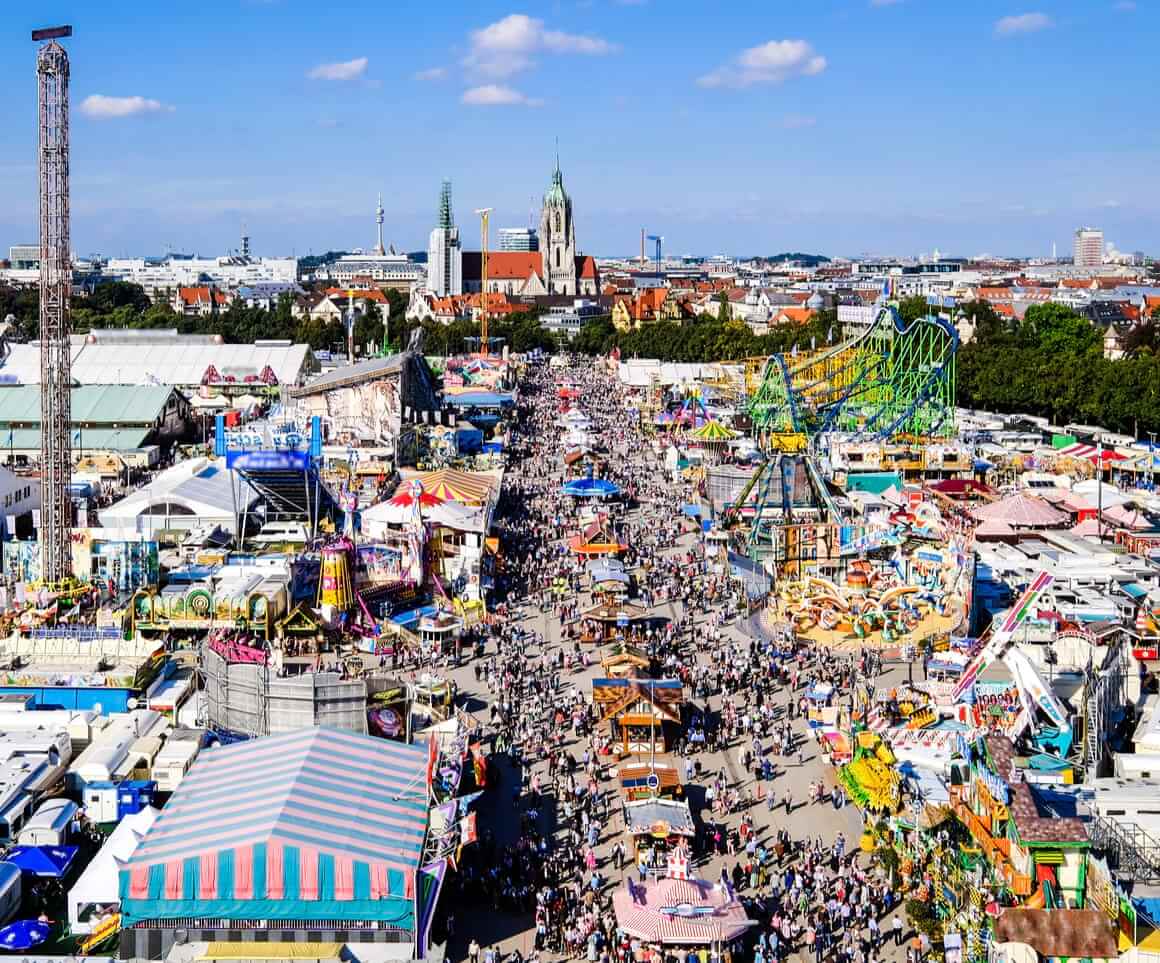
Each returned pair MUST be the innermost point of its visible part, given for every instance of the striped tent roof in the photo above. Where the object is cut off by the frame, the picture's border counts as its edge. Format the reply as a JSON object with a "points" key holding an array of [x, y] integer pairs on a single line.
{"points": [[453, 485], [1090, 453], [313, 824], [679, 911], [714, 431]]}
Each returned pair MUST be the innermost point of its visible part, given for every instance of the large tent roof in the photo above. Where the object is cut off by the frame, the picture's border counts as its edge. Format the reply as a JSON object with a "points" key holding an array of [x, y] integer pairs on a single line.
{"points": [[313, 824], [1022, 511]]}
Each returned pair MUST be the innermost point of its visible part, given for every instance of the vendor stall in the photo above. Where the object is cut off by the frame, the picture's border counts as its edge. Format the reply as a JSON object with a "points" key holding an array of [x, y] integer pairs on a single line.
{"points": [[656, 827], [644, 715]]}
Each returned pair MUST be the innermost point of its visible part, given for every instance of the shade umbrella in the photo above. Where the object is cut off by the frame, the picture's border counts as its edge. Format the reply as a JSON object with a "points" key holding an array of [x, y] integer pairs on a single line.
{"points": [[51, 862], [591, 488], [24, 934]]}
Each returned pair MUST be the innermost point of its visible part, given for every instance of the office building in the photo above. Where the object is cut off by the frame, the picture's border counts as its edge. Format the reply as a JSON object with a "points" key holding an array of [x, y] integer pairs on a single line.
{"points": [[444, 254], [24, 257], [1088, 250], [518, 239]]}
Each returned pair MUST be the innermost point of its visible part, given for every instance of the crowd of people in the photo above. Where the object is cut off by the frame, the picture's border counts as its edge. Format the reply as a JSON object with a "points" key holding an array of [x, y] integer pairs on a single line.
{"points": [[743, 748]]}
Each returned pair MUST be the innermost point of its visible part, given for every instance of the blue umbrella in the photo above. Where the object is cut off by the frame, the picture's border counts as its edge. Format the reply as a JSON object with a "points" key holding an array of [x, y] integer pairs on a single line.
{"points": [[24, 934], [49, 861]]}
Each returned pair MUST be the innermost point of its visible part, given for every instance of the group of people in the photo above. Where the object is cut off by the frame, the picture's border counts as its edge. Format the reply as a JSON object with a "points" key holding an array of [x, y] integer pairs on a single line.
{"points": [[564, 851]]}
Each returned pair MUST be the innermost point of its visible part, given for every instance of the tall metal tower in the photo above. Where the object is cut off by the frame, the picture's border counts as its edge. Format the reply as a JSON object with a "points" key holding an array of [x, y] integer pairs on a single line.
{"points": [[379, 212], [484, 214], [55, 288]]}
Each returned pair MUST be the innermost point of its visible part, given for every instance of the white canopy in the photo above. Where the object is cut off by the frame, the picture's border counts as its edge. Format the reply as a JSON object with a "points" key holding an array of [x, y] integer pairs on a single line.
{"points": [[462, 518], [97, 885]]}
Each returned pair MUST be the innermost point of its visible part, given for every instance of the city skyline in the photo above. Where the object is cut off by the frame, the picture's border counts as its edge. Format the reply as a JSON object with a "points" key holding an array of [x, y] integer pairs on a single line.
{"points": [[768, 130]]}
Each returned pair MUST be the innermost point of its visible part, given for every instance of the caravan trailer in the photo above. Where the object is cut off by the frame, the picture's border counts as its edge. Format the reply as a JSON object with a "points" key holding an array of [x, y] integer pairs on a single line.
{"points": [[111, 747], [49, 825], [176, 757], [10, 891]]}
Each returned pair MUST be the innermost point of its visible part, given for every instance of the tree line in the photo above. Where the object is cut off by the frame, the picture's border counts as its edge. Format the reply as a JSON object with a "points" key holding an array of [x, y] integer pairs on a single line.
{"points": [[1050, 363]]}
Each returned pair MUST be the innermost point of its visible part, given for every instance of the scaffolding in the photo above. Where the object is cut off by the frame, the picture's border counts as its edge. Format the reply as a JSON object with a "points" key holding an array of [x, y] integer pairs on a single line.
{"points": [[52, 72]]}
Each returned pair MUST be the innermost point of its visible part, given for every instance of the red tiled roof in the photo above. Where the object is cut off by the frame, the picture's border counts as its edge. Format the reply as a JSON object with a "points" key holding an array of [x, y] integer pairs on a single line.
{"points": [[794, 315], [586, 267], [200, 295]]}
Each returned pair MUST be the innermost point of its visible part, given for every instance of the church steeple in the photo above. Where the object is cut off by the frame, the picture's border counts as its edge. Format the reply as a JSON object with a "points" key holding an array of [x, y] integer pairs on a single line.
{"points": [[558, 237]]}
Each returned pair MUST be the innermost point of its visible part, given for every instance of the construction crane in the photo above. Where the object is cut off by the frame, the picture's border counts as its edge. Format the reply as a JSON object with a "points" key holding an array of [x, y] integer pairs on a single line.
{"points": [[659, 241], [52, 73], [484, 213]]}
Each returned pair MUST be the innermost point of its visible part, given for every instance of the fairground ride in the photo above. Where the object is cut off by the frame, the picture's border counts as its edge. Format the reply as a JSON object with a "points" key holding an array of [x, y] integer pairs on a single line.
{"points": [[894, 378]]}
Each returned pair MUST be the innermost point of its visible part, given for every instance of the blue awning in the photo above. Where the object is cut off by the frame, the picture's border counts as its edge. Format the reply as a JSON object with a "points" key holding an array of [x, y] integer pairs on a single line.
{"points": [[1134, 590]]}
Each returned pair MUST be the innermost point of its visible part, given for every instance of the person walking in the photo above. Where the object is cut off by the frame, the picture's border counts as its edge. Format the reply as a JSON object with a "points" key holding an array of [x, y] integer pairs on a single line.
{"points": [[896, 923], [473, 950]]}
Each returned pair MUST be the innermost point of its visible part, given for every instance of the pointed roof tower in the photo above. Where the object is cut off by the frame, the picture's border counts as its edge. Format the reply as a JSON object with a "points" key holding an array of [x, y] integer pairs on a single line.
{"points": [[445, 218]]}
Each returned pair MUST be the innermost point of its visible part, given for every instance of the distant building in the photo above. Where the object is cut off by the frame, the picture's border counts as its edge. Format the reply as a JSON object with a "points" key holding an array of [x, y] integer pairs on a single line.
{"points": [[518, 239], [201, 300], [382, 268], [265, 294], [555, 269], [1088, 248], [24, 257], [444, 254], [567, 319]]}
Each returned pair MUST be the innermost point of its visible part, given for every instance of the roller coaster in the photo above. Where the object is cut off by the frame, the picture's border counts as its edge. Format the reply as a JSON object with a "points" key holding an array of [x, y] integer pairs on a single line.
{"points": [[894, 378]]}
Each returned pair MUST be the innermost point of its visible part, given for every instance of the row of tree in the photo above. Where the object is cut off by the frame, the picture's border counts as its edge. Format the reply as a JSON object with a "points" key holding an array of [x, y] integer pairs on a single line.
{"points": [[1050, 363]]}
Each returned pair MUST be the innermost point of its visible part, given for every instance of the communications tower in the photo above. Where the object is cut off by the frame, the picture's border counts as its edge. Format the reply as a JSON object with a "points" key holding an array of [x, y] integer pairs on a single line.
{"points": [[52, 74]]}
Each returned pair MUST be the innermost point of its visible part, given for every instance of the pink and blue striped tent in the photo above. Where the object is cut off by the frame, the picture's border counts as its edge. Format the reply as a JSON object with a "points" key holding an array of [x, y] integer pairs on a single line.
{"points": [[316, 824]]}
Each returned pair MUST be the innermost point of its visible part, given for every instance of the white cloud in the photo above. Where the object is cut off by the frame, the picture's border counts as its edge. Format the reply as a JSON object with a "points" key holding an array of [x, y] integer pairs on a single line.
{"points": [[506, 47], [431, 73], [346, 70], [798, 121], [496, 95], [769, 63], [102, 107], [1022, 23]]}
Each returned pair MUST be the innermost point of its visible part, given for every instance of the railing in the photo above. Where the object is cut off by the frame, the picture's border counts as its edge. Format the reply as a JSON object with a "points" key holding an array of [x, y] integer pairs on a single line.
{"points": [[1128, 847]]}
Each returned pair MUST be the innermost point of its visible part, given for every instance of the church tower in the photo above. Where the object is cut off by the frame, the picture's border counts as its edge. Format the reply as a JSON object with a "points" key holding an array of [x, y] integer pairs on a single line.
{"points": [[558, 238]]}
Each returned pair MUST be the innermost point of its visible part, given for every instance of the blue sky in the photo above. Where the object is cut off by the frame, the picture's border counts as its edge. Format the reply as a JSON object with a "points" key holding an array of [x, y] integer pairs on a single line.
{"points": [[843, 126]]}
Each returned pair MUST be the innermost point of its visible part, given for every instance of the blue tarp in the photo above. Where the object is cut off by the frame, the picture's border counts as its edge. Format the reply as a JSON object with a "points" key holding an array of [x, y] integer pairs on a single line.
{"points": [[1135, 590], [692, 511], [52, 862]]}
